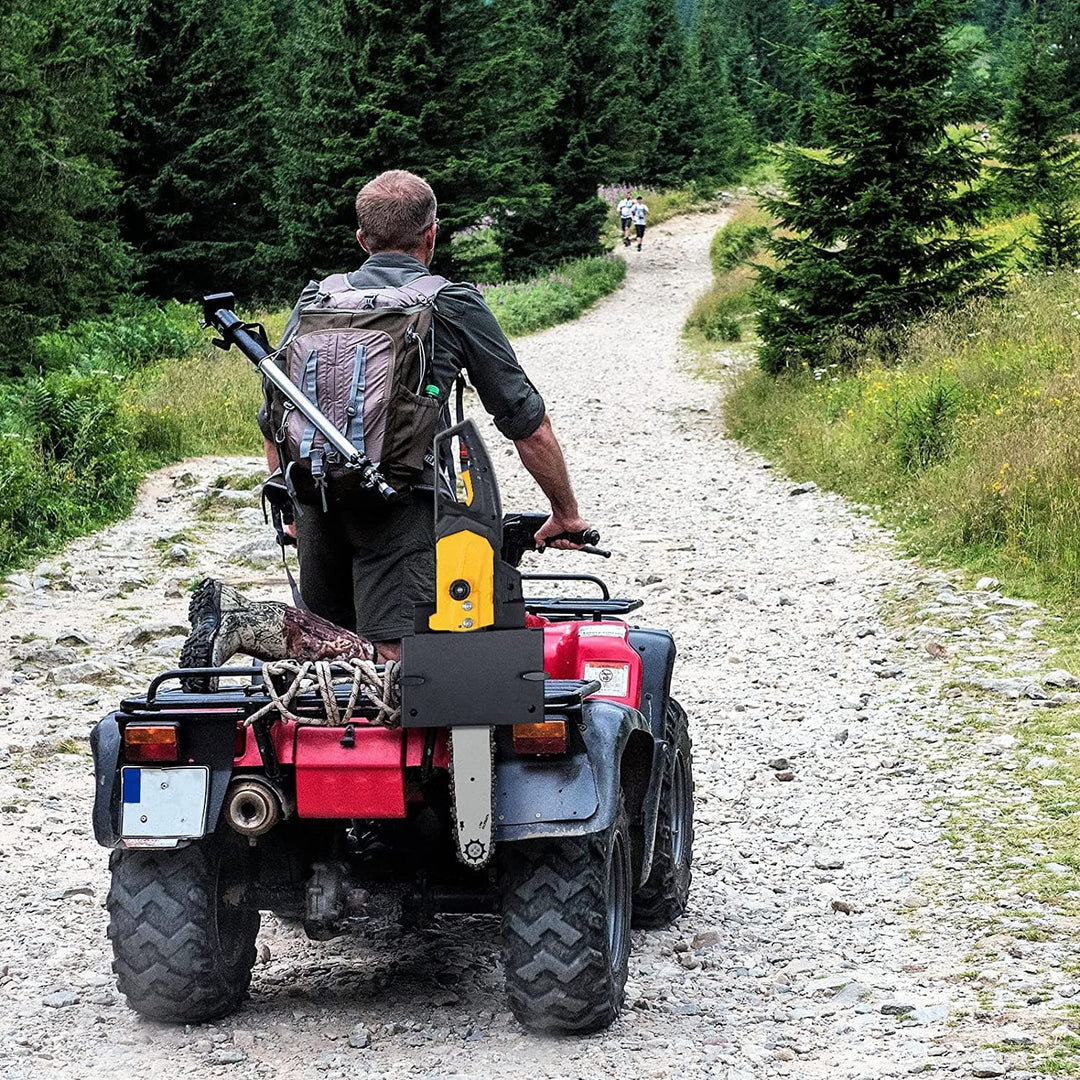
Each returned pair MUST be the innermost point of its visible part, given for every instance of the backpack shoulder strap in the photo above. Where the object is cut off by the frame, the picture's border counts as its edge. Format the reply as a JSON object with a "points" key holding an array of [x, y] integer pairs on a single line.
{"points": [[429, 286]]}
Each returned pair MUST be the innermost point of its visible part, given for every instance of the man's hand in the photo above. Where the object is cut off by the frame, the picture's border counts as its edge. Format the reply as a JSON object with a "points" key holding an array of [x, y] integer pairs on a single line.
{"points": [[554, 526], [290, 529]]}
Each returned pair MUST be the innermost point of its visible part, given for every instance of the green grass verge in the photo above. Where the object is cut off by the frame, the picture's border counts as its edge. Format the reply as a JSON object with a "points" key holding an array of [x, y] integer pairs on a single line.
{"points": [[970, 446]]}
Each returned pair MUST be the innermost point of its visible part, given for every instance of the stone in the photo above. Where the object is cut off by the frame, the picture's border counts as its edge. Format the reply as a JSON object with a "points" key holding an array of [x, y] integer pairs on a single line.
{"points": [[83, 671], [784, 600], [986, 584], [360, 1038], [73, 636], [988, 1068], [779, 763], [785, 775], [1060, 678], [222, 1056], [827, 860], [60, 999], [896, 1008], [930, 1014], [38, 653], [143, 635], [1015, 1036]]}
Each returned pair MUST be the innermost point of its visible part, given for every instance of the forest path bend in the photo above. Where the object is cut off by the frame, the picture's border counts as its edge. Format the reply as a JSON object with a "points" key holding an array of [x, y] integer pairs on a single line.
{"points": [[809, 909]]}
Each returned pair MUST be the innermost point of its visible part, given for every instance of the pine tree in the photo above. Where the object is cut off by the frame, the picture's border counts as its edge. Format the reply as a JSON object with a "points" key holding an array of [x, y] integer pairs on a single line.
{"points": [[666, 116], [195, 163], [724, 142], [1041, 164], [570, 145], [445, 88], [761, 41], [59, 248], [879, 224]]}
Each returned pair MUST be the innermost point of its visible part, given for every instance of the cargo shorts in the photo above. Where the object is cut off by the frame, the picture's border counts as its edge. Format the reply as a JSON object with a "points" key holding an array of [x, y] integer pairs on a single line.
{"points": [[366, 563]]}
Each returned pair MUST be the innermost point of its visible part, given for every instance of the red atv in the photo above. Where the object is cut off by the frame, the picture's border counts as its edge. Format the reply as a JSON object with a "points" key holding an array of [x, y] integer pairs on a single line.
{"points": [[540, 770]]}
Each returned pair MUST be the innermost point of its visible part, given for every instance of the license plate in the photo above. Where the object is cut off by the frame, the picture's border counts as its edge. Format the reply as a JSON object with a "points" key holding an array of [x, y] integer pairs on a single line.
{"points": [[164, 802]]}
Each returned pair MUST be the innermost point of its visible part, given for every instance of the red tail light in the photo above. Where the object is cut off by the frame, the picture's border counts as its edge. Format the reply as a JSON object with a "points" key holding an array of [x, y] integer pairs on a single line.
{"points": [[151, 742]]}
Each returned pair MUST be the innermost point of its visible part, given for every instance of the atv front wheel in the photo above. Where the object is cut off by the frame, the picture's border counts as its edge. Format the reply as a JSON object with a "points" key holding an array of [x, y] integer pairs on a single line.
{"points": [[566, 928], [662, 899], [182, 953]]}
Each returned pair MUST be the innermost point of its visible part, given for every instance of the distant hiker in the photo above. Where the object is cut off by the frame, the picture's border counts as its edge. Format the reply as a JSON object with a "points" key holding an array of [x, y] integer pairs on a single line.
{"points": [[365, 563], [639, 212], [626, 217]]}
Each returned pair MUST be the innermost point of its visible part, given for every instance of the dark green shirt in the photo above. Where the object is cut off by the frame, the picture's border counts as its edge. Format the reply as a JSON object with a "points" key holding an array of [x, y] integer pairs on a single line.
{"points": [[467, 338]]}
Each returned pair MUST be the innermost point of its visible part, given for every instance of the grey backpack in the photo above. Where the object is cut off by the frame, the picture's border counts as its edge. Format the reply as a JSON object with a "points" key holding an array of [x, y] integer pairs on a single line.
{"points": [[364, 356]]}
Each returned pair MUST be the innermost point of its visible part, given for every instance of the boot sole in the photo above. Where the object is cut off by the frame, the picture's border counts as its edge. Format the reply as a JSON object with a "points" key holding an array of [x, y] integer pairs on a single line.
{"points": [[204, 614]]}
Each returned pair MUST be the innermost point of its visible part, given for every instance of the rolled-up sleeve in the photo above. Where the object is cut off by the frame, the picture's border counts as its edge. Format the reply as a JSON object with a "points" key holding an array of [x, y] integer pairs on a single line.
{"points": [[483, 350]]}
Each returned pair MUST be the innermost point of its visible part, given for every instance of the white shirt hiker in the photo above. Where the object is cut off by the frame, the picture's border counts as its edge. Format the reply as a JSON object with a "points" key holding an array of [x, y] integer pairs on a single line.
{"points": [[640, 210], [626, 208]]}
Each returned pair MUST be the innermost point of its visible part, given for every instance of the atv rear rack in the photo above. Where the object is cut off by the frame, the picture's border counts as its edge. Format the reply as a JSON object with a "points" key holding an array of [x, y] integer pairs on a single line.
{"points": [[244, 700]]}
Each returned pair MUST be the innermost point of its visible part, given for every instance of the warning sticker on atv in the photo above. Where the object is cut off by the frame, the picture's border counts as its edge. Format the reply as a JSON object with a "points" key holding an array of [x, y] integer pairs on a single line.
{"points": [[614, 679]]}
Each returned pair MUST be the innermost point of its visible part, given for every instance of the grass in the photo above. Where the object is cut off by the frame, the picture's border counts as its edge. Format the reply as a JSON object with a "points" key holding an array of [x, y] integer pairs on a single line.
{"points": [[970, 446], [723, 313], [564, 294]]}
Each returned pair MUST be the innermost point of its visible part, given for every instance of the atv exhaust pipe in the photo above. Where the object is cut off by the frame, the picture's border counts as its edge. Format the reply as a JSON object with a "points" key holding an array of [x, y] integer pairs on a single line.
{"points": [[253, 806]]}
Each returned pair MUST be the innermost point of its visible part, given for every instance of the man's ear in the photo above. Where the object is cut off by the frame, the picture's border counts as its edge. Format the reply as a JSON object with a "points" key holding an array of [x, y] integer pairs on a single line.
{"points": [[360, 240]]}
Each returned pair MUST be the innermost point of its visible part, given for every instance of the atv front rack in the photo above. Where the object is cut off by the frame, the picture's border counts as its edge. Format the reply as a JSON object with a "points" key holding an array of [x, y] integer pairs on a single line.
{"points": [[578, 607]]}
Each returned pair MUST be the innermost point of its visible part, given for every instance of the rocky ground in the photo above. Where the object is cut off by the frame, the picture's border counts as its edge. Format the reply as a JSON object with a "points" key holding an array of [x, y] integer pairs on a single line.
{"points": [[843, 719]]}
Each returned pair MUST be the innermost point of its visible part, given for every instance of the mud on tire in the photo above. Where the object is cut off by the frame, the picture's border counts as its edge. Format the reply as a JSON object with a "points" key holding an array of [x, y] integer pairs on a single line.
{"points": [[662, 899], [181, 953], [566, 928]]}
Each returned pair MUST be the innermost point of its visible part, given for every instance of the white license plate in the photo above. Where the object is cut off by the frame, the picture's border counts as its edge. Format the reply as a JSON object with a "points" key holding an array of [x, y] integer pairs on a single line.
{"points": [[164, 802]]}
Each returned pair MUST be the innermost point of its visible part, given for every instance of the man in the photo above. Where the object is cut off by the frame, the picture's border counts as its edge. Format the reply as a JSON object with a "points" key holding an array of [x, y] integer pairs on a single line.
{"points": [[364, 563], [626, 210], [640, 211]]}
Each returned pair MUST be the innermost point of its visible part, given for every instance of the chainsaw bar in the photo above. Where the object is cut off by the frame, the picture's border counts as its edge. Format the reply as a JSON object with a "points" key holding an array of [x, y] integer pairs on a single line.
{"points": [[472, 791]]}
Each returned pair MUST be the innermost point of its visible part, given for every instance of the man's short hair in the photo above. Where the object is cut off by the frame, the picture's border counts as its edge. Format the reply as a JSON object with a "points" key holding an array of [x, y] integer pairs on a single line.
{"points": [[394, 210]]}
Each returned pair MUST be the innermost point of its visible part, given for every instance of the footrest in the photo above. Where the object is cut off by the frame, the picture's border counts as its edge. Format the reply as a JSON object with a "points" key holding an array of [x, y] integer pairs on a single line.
{"points": [[568, 693]]}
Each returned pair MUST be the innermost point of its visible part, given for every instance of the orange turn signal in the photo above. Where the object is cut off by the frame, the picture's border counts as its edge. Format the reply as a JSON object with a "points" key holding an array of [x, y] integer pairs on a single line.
{"points": [[548, 737], [151, 742]]}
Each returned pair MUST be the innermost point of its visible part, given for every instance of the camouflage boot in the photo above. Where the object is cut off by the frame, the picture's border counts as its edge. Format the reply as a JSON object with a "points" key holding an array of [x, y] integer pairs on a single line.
{"points": [[224, 623]]}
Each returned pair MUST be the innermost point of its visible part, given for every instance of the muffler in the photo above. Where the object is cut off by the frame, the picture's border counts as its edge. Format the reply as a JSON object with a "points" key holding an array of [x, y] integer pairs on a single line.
{"points": [[254, 805]]}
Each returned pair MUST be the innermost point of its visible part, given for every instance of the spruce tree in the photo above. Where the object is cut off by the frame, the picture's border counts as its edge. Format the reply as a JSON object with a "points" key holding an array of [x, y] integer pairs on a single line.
{"points": [[59, 248], [724, 142], [877, 226], [1041, 164], [666, 115], [195, 163], [570, 145]]}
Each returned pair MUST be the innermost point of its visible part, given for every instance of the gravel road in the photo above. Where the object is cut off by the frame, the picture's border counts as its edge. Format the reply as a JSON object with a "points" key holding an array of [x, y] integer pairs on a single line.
{"points": [[830, 926]]}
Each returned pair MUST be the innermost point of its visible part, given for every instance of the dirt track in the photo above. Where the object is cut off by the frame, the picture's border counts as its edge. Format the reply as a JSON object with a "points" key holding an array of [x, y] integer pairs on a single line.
{"points": [[821, 881]]}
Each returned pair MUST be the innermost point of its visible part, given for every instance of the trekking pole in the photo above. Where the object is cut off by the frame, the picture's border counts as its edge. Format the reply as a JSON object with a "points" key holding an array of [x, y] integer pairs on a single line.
{"points": [[250, 339]]}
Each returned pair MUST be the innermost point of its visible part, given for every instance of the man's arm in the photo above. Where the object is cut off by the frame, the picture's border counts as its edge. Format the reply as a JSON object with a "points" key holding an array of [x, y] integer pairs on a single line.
{"points": [[542, 455]]}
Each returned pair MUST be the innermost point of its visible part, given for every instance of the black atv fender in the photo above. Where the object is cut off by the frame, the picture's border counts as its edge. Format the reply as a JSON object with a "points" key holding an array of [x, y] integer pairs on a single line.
{"points": [[209, 742], [657, 651], [575, 795]]}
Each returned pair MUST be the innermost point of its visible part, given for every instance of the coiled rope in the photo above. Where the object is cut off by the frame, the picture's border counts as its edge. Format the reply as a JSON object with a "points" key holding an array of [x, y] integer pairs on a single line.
{"points": [[381, 689]]}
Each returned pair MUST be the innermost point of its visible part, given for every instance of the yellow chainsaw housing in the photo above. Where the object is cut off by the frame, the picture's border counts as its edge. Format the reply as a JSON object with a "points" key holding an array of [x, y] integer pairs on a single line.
{"points": [[464, 556]]}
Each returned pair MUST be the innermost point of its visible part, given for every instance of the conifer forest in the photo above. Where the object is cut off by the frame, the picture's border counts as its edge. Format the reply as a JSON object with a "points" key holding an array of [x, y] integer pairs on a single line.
{"points": [[165, 148]]}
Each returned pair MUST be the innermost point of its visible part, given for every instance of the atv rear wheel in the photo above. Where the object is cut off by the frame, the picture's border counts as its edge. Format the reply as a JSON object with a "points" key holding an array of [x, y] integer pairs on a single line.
{"points": [[662, 899], [566, 928], [182, 953]]}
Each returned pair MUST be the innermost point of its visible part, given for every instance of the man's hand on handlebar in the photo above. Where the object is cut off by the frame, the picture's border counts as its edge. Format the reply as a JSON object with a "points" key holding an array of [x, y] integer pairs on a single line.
{"points": [[556, 526]]}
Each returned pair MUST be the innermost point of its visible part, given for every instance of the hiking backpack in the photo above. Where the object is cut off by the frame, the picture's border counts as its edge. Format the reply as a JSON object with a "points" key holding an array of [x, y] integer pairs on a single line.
{"points": [[364, 357]]}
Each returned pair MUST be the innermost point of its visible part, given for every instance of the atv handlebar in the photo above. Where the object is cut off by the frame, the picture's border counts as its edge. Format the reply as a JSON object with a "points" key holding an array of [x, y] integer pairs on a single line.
{"points": [[250, 339], [519, 536]]}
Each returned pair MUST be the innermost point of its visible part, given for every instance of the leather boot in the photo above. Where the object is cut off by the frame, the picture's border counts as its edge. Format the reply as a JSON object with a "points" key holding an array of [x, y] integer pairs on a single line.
{"points": [[224, 622]]}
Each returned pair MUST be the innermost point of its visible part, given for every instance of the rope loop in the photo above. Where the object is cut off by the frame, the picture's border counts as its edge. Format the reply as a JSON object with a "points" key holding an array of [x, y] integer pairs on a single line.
{"points": [[323, 677]]}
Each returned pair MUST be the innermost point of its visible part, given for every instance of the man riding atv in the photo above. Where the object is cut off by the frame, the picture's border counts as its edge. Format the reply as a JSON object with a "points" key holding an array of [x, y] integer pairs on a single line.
{"points": [[526, 757], [366, 563]]}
